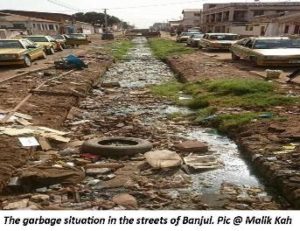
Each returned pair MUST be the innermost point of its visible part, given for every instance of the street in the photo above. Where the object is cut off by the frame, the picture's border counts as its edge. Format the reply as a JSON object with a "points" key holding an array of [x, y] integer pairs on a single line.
{"points": [[199, 168]]}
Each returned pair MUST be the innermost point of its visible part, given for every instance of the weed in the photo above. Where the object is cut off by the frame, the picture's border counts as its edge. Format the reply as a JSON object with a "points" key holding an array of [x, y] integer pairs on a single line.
{"points": [[239, 86], [162, 48], [120, 49]]}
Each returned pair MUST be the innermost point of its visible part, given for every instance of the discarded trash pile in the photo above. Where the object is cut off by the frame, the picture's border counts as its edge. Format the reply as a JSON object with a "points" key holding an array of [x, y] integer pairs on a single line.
{"points": [[125, 153]]}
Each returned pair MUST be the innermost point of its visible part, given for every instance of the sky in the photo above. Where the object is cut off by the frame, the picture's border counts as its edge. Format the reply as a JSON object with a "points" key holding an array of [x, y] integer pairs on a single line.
{"points": [[141, 13]]}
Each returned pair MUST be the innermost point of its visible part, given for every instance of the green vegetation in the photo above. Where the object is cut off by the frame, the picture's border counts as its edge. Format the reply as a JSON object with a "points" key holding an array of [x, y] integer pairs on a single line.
{"points": [[239, 86], [170, 90], [205, 113], [226, 122], [256, 96], [162, 48], [120, 48]]}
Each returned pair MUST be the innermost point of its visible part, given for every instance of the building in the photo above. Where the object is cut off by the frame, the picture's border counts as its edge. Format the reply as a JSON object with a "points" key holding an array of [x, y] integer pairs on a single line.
{"points": [[238, 17], [67, 23], [12, 25], [191, 18], [280, 24]]}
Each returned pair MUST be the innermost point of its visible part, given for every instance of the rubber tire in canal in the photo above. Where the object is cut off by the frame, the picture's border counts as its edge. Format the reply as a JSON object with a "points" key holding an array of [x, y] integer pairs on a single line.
{"points": [[27, 61], [99, 146]]}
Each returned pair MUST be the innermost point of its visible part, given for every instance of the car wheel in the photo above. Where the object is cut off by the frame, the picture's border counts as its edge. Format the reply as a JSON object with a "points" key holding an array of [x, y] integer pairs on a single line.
{"points": [[234, 56], [44, 56], [51, 51], [60, 48], [27, 61], [116, 146], [253, 60]]}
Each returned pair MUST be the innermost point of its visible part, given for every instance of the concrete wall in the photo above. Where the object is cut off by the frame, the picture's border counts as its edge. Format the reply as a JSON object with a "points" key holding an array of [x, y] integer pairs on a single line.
{"points": [[32, 27], [10, 34], [191, 18]]}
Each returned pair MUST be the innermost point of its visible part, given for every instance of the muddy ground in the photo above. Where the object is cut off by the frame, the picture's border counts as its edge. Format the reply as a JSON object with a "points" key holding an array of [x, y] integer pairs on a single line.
{"points": [[46, 108], [272, 146]]}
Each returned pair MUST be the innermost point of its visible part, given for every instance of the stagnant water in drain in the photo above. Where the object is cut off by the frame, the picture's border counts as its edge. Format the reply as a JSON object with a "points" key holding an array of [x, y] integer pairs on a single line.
{"points": [[141, 69]]}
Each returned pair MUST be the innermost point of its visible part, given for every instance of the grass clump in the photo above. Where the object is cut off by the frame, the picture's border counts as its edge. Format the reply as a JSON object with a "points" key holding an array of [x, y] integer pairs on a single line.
{"points": [[205, 113], [226, 122], [239, 86], [120, 48], [170, 90], [162, 48], [197, 103]]}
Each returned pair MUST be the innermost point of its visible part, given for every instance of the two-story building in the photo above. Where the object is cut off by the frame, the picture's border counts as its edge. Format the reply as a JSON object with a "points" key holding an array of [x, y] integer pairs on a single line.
{"points": [[191, 18], [238, 17]]}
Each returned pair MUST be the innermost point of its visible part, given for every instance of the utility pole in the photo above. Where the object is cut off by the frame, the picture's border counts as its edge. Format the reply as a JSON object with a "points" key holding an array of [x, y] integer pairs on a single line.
{"points": [[105, 18]]}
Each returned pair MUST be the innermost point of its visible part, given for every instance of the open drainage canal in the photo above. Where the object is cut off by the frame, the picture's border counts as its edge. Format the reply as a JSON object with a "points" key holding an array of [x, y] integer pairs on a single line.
{"points": [[141, 69]]}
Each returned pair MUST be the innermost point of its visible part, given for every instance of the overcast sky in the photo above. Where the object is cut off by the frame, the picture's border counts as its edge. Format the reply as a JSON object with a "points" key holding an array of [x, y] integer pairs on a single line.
{"points": [[141, 13]]}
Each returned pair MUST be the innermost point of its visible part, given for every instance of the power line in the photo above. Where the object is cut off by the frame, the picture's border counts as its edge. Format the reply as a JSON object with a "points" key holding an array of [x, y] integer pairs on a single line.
{"points": [[62, 4]]}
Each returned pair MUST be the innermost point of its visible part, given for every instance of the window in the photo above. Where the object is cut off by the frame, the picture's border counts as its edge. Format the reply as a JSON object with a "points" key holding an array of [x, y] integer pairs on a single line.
{"points": [[39, 27], [197, 14], [258, 12], [34, 26], [51, 27], [262, 31], [297, 29], [249, 28], [286, 29], [19, 25]]}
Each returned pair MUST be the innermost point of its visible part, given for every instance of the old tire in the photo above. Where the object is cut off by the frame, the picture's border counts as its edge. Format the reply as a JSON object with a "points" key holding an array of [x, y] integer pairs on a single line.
{"points": [[128, 146], [27, 61], [234, 57]]}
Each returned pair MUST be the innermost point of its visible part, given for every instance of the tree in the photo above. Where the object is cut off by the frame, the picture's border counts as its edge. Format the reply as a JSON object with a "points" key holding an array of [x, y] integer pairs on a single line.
{"points": [[96, 18]]}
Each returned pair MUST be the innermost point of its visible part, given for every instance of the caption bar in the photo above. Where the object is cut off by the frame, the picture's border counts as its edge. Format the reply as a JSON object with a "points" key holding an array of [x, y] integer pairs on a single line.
{"points": [[125, 220]]}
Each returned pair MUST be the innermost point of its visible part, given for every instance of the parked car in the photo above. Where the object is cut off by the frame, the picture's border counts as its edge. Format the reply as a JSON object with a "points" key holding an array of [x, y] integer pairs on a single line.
{"points": [[76, 39], [49, 43], [183, 37], [218, 41], [19, 52], [61, 39], [268, 51], [107, 36], [194, 39]]}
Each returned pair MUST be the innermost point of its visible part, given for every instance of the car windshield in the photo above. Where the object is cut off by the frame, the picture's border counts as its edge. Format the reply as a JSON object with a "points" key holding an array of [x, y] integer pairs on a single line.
{"points": [[38, 39], [223, 37], [59, 37], [198, 36], [10, 44], [276, 43], [76, 36]]}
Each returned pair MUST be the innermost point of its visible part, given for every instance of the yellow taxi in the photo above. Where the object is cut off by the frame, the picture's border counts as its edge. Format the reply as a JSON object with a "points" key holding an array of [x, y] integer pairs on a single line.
{"points": [[218, 41], [268, 51], [19, 52], [50, 44]]}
